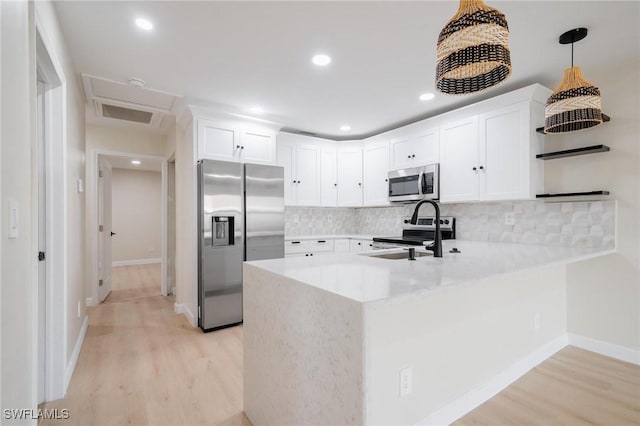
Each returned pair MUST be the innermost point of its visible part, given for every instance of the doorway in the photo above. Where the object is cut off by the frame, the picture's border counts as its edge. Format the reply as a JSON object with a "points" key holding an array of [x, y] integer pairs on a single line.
{"points": [[131, 206]]}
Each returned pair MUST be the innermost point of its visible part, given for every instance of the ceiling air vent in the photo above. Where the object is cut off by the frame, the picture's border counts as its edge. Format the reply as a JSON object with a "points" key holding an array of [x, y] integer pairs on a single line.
{"points": [[120, 113]]}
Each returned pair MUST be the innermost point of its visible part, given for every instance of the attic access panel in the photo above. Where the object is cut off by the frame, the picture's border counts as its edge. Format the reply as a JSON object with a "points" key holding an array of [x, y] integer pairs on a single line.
{"points": [[120, 113]]}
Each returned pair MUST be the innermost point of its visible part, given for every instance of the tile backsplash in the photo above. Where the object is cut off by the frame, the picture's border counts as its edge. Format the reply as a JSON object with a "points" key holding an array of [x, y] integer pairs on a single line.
{"points": [[575, 224]]}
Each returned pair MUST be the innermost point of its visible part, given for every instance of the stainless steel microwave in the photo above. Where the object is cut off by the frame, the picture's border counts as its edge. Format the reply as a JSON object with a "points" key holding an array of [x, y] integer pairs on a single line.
{"points": [[415, 184]]}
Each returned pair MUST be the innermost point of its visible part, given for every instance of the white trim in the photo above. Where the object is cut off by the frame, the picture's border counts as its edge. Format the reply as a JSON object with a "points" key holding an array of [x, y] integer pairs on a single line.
{"points": [[163, 229], [71, 366], [136, 262], [612, 350], [92, 215], [181, 308], [472, 399], [56, 333], [90, 301]]}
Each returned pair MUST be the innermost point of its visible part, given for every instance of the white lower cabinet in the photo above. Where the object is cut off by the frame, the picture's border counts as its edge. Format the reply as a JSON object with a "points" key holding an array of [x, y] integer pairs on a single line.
{"points": [[359, 245], [341, 246], [319, 247]]}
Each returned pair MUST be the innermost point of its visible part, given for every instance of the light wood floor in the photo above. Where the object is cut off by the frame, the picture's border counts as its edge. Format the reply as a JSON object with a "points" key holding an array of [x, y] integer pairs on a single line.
{"points": [[574, 387], [141, 364], [134, 282]]}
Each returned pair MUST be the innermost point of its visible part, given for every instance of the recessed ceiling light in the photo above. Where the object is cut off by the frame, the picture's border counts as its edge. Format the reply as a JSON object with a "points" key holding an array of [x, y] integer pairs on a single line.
{"points": [[135, 162], [345, 128], [427, 96], [256, 110], [144, 24], [321, 60]]}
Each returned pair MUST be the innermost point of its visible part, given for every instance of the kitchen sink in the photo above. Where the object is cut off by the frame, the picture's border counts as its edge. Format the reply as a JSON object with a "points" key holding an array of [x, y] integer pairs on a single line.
{"points": [[399, 255]]}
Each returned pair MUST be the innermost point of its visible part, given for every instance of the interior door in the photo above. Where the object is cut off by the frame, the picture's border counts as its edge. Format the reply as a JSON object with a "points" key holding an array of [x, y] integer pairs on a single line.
{"points": [[104, 228]]}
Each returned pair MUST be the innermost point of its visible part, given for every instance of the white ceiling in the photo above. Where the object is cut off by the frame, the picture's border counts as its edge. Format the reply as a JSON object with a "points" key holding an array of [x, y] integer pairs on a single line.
{"points": [[233, 55], [146, 164]]}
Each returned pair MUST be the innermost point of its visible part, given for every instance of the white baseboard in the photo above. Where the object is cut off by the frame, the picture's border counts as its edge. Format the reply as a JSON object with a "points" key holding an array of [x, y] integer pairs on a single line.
{"points": [[71, 366], [472, 399], [135, 262], [612, 350], [180, 308]]}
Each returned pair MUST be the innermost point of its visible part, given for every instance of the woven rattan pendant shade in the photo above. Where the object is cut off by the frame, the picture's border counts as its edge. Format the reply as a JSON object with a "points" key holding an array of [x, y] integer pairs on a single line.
{"points": [[575, 104], [473, 50]]}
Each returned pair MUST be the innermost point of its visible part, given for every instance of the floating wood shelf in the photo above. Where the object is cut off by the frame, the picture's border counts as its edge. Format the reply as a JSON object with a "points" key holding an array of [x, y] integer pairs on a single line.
{"points": [[605, 118], [572, 194], [573, 152]]}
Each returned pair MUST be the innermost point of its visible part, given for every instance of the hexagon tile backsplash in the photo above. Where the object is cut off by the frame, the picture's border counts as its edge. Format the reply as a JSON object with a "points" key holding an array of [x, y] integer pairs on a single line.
{"points": [[574, 224]]}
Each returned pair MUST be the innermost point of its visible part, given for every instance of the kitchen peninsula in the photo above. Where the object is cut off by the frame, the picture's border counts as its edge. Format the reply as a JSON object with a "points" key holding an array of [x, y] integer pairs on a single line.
{"points": [[361, 339]]}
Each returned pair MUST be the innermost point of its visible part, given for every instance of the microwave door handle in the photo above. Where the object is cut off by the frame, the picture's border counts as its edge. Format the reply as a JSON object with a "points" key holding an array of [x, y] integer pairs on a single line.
{"points": [[420, 179]]}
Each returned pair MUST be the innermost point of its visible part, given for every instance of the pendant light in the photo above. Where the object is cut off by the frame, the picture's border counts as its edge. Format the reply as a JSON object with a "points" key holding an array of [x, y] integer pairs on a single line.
{"points": [[575, 104], [473, 50]]}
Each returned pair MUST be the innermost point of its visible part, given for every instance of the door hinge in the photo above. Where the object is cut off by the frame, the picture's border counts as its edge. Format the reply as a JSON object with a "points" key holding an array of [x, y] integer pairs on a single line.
{"points": [[100, 173], [41, 256], [101, 228], [100, 282]]}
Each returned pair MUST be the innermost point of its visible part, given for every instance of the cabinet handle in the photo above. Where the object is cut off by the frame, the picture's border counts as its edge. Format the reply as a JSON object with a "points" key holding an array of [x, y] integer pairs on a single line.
{"points": [[481, 167], [294, 181], [413, 156], [298, 181], [475, 168], [322, 241], [237, 146], [359, 244], [335, 184], [295, 242], [310, 254], [359, 183], [242, 147], [408, 156], [307, 254], [386, 180]]}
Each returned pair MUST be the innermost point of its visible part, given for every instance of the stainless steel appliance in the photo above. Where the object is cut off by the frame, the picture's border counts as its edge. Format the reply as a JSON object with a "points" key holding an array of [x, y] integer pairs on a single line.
{"points": [[415, 184], [418, 234], [240, 217]]}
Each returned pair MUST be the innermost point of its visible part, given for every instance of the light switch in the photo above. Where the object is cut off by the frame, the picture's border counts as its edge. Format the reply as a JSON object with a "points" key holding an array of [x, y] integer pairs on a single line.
{"points": [[13, 218]]}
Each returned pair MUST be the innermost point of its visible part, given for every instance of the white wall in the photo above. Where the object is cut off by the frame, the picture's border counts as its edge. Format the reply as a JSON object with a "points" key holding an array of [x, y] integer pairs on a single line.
{"points": [[604, 294], [110, 139], [18, 260], [186, 225], [136, 215], [18, 263]]}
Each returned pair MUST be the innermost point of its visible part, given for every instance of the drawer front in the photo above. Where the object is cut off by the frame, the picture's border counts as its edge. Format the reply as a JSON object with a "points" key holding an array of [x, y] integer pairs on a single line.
{"points": [[296, 246], [316, 246]]}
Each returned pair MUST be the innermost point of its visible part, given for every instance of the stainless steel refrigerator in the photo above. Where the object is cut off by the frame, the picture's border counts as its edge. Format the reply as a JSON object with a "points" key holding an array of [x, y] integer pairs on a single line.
{"points": [[240, 217]]}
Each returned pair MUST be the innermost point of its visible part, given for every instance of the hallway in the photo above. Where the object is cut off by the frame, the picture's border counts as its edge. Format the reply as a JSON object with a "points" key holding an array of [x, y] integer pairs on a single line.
{"points": [[143, 364], [134, 282]]}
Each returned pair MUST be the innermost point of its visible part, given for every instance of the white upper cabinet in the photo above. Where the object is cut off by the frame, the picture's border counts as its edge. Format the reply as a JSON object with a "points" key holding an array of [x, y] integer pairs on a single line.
{"points": [[229, 140], [491, 156], [307, 166], [218, 140], [258, 146], [505, 153], [420, 146], [329, 176], [459, 160], [375, 173], [301, 163], [350, 175]]}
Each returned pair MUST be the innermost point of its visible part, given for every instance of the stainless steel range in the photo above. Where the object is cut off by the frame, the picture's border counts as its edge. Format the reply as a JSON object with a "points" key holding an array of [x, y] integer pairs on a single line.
{"points": [[416, 235]]}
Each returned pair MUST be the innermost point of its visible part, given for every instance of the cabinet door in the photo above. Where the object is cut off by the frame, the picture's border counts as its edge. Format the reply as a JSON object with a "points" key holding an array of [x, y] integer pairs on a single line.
{"points": [[505, 154], [356, 246], [258, 147], [350, 176], [217, 141], [426, 147], [307, 166], [329, 177], [458, 158], [376, 169], [401, 152], [286, 159]]}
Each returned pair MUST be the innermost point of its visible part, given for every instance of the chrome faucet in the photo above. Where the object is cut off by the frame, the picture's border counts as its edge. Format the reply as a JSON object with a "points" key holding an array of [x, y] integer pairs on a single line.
{"points": [[436, 246]]}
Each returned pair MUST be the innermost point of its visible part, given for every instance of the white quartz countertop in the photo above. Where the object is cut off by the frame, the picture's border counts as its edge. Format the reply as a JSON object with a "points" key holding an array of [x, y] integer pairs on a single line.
{"points": [[368, 279], [330, 237]]}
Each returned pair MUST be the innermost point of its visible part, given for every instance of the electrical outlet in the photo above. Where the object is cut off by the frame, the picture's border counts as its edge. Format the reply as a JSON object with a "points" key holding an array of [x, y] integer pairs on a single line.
{"points": [[406, 382], [509, 218], [536, 321], [296, 218]]}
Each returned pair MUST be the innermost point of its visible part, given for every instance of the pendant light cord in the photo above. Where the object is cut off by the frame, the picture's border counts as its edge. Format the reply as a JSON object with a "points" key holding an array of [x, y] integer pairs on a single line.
{"points": [[571, 54]]}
